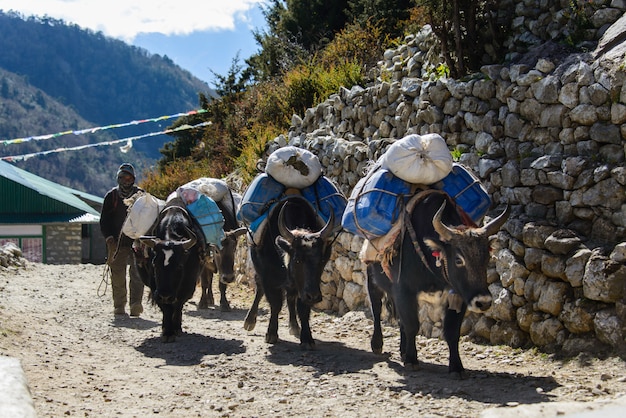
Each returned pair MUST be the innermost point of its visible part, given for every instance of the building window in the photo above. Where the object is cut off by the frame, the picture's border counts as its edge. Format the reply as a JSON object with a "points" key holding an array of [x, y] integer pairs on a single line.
{"points": [[28, 237], [32, 248]]}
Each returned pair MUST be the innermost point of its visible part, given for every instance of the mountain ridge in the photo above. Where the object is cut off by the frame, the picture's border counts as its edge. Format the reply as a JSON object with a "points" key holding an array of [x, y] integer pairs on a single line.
{"points": [[56, 77]]}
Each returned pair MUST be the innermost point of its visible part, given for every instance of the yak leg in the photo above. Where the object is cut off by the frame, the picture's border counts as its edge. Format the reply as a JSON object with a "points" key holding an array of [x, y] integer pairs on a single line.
{"points": [[402, 342], [224, 304], [376, 295], [452, 332], [250, 322], [294, 328], [206, 282], [168, 328], [275, 299], [406, 307], [306, 338], [178, 318]]}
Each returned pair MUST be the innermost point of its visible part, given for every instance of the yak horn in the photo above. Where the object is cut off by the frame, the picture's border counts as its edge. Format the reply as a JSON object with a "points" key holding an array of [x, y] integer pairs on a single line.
{"points": [[188, 243], [328, 228], [236, 232], [495, 224], [282, 229], [148, 241], [445, 232]]}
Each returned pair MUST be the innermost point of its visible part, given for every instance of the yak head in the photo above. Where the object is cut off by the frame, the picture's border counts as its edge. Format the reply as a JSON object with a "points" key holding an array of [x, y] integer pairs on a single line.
{"points": [[174, 256], [305, 253], [224, 257], [462, 253]]}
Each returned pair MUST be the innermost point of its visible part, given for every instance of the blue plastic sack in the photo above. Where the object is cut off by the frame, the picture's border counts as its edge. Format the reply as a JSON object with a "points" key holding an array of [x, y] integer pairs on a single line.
{"points": [[254, 226], [326, 198], [467, 191], [375, 204], [260, 195], [209, 217]]}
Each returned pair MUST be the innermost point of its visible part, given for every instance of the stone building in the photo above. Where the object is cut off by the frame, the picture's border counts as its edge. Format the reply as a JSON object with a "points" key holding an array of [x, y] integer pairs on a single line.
{"points": [[51, 223]]}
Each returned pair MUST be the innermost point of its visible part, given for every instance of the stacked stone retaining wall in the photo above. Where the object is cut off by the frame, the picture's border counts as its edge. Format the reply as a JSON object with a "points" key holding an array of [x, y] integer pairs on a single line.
{"points": [[547, 139]]}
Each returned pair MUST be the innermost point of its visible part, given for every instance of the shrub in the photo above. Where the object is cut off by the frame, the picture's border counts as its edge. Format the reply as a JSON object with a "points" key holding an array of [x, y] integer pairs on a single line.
{"points": [[364, 45], [175, 174]]}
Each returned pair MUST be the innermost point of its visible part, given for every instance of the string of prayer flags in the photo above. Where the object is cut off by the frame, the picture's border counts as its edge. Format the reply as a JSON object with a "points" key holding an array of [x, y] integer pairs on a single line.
{"points": [[100, 128], [124, 148]]}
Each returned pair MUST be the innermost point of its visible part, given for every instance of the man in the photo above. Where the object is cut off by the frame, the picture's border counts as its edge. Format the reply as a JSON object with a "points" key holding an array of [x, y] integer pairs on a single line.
{"points": [[119, 246]]}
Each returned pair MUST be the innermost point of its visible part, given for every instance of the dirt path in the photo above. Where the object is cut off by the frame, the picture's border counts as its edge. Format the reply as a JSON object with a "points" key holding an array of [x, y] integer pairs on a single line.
{"points": [[81, 361]]}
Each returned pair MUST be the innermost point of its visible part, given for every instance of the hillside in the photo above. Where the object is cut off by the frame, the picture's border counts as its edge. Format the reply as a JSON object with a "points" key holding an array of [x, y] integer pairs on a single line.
{"points": [[26, 110], [58, 77]]}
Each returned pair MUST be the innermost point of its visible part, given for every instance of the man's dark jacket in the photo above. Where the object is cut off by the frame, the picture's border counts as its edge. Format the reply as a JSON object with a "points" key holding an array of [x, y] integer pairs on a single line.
{"points": [[113, 214]]}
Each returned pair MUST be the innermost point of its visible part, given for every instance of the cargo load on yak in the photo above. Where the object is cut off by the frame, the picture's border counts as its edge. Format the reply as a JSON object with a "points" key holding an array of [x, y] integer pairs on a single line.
{"points": [[467, 191], [294, 167], [376, 203], [410, 165], [291, 170], [142, 215], [200, 197], [418, 159]]}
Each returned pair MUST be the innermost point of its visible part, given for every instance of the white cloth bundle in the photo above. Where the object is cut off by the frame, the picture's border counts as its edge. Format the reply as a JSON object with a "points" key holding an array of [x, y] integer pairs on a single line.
{"points": [[418, 159], [142, 214], [294, 167], [216, 189]]}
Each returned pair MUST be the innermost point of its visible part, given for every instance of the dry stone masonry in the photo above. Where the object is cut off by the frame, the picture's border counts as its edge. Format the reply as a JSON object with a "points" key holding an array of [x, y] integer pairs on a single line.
{"points": [[546, 137]]}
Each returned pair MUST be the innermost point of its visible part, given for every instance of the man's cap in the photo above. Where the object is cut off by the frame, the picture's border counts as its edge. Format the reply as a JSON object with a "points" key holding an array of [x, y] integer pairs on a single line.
{"points": [[126, 168]]}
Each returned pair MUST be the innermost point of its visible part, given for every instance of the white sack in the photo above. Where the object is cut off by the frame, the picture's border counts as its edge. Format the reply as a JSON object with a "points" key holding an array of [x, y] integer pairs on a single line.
{"points": [[294, 167], [418, 159], [216, 189], [171, 196], [187, 194], [142, 214]]}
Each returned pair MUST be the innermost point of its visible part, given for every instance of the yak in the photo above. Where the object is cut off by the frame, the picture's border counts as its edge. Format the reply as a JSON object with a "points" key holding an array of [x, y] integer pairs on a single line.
{"points": [[170, 263], [222, 260], [289, 260], [438, 248]]}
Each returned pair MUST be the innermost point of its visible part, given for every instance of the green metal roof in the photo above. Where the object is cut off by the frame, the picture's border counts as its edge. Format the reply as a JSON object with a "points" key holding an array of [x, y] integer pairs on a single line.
{"points": [[27, 198]]}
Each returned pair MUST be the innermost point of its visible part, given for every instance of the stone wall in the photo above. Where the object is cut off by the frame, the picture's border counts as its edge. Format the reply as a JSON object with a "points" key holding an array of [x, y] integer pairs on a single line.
{"points": [[63, 244], [530, 28], [547, 139], [580, 22]]}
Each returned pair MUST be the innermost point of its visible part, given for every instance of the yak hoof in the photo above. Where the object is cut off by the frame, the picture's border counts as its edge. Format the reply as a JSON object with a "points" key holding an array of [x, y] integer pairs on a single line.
{"points": [[377, 345], [249, 323], [295, 331], [225, 307], [458, 375], [168, 338], [412, 366], [377, 350], [205, 302], [308, 346], [271, 339]]}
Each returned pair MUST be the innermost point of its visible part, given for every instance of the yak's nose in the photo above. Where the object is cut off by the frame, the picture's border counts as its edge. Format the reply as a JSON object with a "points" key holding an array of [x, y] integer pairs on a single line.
{"points": [[227, 278], [311, 298], [480, 303], [166, 299]]}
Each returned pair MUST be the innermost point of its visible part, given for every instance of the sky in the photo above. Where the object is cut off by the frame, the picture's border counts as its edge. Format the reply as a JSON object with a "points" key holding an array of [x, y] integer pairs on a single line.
{"points": [[201, 36]]}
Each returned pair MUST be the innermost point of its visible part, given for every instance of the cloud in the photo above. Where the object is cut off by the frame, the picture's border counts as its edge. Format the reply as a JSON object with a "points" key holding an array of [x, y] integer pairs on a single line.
{"points": [[125, 19]]}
